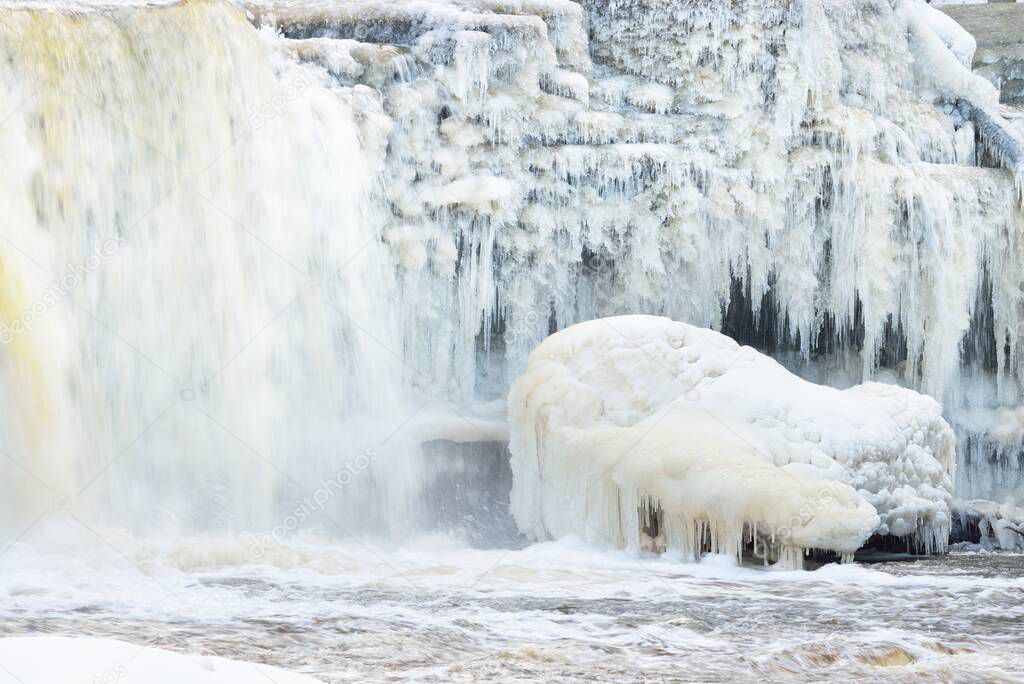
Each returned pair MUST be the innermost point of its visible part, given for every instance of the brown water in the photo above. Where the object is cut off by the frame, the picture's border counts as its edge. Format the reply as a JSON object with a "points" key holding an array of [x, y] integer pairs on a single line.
{"points": [[555, 612]]}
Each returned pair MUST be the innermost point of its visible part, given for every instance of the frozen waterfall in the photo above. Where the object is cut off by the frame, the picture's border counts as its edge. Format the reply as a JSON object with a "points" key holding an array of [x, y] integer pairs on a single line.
{"points": [[268, 258], [195, 331]]}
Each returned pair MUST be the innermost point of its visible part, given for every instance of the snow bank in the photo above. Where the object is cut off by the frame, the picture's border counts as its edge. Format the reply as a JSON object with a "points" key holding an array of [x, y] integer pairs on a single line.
{"points": [[67, 660], [645, 432]]}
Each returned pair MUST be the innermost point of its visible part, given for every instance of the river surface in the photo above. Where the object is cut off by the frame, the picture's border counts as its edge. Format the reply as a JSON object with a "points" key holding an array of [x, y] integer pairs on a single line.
{"points": [[434, 611]]}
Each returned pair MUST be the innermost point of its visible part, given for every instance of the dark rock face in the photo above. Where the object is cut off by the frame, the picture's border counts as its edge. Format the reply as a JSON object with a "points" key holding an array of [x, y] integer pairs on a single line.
{"points": [[999, 29]]}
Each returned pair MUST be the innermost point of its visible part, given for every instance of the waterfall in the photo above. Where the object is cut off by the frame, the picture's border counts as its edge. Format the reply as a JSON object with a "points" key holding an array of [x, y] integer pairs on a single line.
{"points": [[199, 325]]}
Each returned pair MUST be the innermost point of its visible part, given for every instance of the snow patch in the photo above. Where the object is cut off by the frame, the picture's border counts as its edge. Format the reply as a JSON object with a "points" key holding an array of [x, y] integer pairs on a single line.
{"points": [[67, 660]]}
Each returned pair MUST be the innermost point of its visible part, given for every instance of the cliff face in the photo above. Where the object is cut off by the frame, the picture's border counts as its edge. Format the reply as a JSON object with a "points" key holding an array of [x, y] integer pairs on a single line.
{"points": [[999, 31]]}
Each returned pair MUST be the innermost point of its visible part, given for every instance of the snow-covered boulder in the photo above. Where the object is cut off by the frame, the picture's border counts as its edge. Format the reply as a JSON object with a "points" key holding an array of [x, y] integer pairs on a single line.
{"points": [[645, 432]]}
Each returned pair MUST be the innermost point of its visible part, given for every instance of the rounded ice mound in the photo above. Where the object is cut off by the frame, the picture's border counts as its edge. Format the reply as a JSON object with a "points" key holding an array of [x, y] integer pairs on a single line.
{"points": [[649, 433]]}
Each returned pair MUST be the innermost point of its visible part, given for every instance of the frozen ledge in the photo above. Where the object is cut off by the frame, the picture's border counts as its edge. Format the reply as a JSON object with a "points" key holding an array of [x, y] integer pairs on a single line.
{"points": [[999, 139], [542, 24]]}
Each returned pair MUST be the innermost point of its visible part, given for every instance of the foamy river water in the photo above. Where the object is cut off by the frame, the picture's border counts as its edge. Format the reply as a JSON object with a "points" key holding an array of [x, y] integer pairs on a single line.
{"points": [[564, 612]]}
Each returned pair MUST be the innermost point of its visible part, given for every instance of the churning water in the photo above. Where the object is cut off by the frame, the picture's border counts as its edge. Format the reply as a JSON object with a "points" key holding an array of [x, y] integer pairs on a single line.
{"points": [[433, 611]]}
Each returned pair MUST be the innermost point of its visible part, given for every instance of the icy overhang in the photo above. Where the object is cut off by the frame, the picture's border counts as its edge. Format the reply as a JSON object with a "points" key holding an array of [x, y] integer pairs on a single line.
{"points": [[541, 24]]}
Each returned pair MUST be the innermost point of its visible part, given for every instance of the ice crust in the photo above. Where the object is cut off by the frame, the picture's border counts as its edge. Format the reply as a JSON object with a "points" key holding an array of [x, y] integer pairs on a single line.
{"points": [[621, 415]]}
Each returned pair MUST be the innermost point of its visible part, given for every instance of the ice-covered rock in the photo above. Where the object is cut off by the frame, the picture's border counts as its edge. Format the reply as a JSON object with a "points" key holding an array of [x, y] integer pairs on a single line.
{"points": [[639, 430], [993, 525]]}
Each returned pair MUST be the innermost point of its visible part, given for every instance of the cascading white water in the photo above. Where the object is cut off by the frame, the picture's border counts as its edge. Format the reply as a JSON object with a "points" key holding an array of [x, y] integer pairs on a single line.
{"points": [[198, 324]]}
